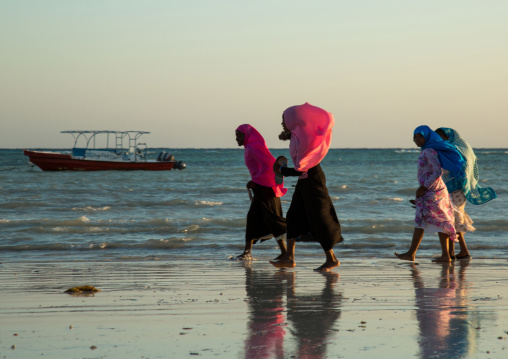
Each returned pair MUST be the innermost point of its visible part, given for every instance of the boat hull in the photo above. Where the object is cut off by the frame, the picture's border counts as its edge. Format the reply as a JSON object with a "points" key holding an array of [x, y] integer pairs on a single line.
{"points": [[49, 161]]}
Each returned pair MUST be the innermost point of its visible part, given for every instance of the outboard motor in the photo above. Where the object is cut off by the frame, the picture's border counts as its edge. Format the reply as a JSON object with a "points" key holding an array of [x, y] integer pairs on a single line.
{"points": [[180, 165]]}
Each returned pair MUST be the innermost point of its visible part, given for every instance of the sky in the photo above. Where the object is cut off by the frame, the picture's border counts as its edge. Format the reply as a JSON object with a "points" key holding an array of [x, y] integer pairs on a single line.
{"points": [[191, 71]]}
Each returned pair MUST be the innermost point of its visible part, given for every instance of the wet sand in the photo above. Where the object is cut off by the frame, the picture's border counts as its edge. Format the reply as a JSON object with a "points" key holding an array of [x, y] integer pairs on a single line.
{"points": [[369, 308]]}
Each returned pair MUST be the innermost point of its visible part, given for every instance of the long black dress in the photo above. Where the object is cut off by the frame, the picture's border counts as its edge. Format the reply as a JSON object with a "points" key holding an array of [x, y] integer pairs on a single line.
{"points": [[312, 211], [265, 216]]}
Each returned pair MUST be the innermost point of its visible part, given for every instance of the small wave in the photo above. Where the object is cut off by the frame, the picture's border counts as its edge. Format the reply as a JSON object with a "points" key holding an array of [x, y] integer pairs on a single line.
{"points": [[371, 226], [80, 230], [208, 203], [340, 188], [53, 247], [79, 222], [407, 151], [165, 243], [381, 228], [131, 226], [395, 199], [75, 222], [382, 244], [191, 228], [91, 209], [174, 203], [103, 245], [169, 243], [493, 225], [489, 152], [159, 221]]}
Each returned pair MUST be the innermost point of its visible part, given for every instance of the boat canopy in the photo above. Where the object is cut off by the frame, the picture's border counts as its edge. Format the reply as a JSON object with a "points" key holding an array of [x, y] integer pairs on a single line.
{"points": [[119, 137]]}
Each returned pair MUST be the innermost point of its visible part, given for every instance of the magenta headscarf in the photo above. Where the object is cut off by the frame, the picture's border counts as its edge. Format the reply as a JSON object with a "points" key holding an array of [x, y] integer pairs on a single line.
{"points": [[259, 160], [311, 135]]}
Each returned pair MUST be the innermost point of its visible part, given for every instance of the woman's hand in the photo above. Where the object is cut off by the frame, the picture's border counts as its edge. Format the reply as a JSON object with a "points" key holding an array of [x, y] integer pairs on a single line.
{"points": [[420, 192], [251, 185], [277, 164], [276, 167]]}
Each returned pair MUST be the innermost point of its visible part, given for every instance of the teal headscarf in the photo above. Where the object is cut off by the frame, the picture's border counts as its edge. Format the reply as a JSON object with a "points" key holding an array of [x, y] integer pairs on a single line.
{"points": [[474, 193], [449, 157]]}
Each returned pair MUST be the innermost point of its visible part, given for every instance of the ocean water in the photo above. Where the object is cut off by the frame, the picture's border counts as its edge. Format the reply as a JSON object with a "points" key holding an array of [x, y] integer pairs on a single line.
{"points": [[199, 213]]}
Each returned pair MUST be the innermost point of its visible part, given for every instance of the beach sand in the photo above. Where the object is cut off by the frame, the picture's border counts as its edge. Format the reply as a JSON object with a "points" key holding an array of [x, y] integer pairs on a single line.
{"points": [[366, 308]]}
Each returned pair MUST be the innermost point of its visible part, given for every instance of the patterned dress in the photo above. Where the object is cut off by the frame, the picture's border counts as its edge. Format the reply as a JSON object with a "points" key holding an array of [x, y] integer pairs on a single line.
{"points": [[463, 223], [434, 210]]}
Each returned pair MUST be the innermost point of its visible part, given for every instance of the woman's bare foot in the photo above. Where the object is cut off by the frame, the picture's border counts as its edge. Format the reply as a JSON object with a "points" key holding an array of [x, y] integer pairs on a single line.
{"points": [[244, 256], [328, 266], [406, 256], [463, 255], [283, 263], [441, 259], [280, 256]]}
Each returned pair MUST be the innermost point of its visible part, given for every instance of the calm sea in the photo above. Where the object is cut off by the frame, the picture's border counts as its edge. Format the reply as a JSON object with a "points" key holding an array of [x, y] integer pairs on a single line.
{"points": [[199, 213]]}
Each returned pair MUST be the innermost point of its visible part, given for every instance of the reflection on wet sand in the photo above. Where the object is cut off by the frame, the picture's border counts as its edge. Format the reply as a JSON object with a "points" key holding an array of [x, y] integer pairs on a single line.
{"points": [[447, 327], [313, 317], [276, 309], [265, 292]]}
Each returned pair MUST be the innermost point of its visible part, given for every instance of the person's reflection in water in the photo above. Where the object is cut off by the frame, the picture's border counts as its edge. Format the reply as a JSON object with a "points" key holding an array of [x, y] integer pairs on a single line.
{"points": [[312, 317], [442, 314], [464, 322], [265, 291]]}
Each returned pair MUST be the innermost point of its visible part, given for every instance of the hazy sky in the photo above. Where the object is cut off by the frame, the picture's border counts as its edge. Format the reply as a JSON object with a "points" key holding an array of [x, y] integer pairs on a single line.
{"points": [[191, 71]]}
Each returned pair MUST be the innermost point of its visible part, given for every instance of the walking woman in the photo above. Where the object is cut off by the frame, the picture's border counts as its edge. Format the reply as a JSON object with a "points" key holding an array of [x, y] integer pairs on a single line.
{"points": [[264, 219], [467, 189], [311, 215], [434, 211]]}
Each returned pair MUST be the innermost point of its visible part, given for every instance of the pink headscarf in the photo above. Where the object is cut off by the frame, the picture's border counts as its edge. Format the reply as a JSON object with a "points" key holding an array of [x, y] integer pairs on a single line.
{"points": [[311, 135], [259, 160]]}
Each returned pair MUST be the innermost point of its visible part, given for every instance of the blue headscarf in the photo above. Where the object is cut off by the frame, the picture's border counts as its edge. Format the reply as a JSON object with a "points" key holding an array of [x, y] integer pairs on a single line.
{"points": [[449, 157], [474, 193]]}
